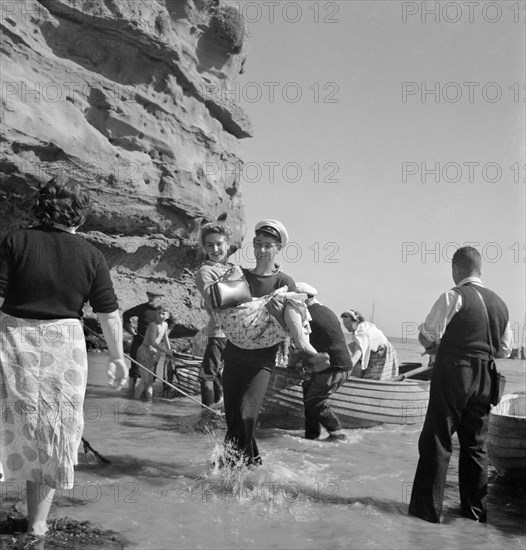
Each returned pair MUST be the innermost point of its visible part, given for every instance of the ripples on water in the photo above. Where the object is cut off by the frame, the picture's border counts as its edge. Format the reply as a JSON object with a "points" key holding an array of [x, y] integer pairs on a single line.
{"points": [[162, 491]]}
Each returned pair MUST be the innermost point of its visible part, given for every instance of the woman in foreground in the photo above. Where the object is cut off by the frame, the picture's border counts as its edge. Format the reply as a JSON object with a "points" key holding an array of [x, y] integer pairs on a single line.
{"points": [[47, 274]]}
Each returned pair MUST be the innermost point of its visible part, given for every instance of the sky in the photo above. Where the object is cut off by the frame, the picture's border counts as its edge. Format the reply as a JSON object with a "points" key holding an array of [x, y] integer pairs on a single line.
{"points": [[387, 134]]}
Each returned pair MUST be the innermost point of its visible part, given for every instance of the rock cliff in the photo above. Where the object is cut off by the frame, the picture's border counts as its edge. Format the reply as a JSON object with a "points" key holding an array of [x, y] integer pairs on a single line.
{"points": [[130, 97]]}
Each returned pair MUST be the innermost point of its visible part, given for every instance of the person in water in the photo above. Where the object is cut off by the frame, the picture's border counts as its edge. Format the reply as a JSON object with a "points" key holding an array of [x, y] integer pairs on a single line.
{"points": [[144, 313], [326, 336], [47, 274], [469, 325], [155, 341], [247, 370], [215, 241]]}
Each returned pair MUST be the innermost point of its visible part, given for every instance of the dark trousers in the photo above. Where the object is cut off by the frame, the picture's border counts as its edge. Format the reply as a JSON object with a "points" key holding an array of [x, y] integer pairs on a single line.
{"points": [[210, 375], [316, 393], [244, 388], [459, 401], [134, 371]]}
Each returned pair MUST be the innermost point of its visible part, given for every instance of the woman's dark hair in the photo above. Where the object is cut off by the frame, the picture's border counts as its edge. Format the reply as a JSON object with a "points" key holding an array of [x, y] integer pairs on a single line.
{"points": [[62, 200]]}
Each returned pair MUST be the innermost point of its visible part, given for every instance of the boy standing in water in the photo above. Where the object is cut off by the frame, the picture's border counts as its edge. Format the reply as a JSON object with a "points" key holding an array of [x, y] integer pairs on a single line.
{"points": [[144, 313], [155, 340]]}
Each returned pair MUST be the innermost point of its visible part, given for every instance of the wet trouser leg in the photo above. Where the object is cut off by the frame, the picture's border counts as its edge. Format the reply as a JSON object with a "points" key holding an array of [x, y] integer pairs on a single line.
{"points": [[316, 393], [244, 388], [458, 401], [473, 461], [133, 373], [211, 385]]}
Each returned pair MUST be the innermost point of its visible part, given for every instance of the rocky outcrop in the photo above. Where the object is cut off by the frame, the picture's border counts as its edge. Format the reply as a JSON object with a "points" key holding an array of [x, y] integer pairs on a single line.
{"points": [[128, 97]]}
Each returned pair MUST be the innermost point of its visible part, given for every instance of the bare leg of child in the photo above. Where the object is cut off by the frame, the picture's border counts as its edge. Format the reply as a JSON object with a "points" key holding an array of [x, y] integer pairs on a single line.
{"points": [[312, 359], [290, 318], [139, 388], [294, 324], [148, 379]]}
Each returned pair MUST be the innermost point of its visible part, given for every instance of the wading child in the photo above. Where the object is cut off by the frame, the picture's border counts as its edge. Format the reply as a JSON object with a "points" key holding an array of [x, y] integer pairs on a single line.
{"points": [[155, 341]]}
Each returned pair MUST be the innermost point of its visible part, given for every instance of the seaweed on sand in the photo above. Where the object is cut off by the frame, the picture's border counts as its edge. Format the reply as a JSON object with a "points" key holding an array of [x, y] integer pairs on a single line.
{"points": [[62, 533]]}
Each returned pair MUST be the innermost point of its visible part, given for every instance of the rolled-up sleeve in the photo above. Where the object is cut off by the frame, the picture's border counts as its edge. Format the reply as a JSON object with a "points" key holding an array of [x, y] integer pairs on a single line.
{"points": [[506, 343]]}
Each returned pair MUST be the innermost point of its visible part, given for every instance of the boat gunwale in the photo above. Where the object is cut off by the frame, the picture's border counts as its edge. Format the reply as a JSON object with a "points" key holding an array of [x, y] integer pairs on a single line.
{"points": [[406, 382], [509, 397]]}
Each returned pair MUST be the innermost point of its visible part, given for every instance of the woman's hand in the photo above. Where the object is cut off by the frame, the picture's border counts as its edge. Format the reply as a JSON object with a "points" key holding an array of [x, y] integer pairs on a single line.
{"points": [[117, 374]]}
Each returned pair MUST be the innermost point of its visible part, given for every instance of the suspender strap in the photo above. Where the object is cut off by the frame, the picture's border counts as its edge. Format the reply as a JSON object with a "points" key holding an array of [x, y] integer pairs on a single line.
{"points": [[487, 321]]}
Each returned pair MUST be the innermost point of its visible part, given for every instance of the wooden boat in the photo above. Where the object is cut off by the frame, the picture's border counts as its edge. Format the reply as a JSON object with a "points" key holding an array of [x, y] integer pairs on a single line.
{"points": [[358, 403], [507, 436], [183, 374]]}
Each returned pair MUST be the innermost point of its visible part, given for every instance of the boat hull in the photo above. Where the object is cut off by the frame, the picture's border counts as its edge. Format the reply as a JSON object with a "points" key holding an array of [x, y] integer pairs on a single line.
{"points": [[186, 378], [507, 436], [358, 402]]}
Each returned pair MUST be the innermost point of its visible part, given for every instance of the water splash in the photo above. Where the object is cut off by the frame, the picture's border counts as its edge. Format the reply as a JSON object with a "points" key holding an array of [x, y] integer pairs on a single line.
{"points": [[272, 483]]}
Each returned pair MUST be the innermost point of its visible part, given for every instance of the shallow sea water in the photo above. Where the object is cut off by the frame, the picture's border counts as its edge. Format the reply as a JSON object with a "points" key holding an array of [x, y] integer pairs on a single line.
{"points": [[161, 491]]}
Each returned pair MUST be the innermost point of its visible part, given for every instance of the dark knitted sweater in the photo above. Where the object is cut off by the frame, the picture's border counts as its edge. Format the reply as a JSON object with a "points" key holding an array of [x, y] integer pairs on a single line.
{"points": [[47, 273], [327, 336]]}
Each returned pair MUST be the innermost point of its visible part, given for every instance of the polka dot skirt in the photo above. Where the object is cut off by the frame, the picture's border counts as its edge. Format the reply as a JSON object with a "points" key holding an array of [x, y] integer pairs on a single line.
{"points": [[43, 371]]}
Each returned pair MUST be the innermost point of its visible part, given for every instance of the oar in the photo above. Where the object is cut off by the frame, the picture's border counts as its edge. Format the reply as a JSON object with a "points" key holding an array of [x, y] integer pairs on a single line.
{"points": [[413, 372]]}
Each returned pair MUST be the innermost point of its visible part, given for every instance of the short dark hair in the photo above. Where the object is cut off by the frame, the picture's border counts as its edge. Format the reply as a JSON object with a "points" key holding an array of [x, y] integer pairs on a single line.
{"points": [[215, 227], [467, 259], [62, 200]]}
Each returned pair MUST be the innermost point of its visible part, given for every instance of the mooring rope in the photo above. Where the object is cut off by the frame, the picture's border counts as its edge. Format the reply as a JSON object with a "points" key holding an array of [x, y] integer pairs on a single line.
{"points": [[86, 443], [182, 356]]}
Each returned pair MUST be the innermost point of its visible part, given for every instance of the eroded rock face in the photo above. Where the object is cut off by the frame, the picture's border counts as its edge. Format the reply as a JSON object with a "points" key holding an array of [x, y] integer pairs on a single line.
{"points": [[127, 96]]}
